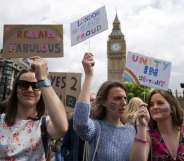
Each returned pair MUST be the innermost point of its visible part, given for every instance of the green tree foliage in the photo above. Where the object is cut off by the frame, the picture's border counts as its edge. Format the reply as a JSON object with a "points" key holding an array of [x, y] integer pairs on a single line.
{"points": [[135, 90]]}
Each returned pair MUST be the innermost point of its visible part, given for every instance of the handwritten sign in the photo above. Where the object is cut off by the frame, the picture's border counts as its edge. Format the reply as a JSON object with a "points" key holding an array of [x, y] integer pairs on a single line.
{"points": [[67, 86], [88, 26], [147, 71], [22, 41]]}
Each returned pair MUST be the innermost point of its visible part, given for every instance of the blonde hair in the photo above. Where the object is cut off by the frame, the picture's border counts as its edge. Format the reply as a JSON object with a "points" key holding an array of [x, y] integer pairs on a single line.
{"points": [[129, 115]]}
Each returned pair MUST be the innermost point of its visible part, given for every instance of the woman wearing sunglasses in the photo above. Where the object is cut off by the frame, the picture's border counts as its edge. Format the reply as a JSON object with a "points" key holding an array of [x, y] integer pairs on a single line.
{"points": [[32, 96]]}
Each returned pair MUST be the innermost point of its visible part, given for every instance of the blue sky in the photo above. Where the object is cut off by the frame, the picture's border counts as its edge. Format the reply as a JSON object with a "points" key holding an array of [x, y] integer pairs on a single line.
{"points": [[151, 27]]}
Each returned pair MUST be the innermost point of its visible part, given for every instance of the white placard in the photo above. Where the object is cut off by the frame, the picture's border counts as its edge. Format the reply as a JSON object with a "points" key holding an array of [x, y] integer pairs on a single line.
{"points": [[88, 26], [147, 71]]}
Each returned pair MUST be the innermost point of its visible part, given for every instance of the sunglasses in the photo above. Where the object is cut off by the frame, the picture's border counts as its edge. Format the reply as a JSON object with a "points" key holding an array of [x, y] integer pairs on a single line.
{"points": [[24, 85]]}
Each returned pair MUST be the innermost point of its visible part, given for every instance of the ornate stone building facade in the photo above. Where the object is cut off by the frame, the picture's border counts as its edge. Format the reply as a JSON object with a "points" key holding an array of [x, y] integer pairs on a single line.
{"points": [[8, 71], [116, 52]]}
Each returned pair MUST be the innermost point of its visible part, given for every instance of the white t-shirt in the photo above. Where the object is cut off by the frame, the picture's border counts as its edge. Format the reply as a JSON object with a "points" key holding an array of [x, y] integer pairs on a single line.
{"points": [[22, 141]]}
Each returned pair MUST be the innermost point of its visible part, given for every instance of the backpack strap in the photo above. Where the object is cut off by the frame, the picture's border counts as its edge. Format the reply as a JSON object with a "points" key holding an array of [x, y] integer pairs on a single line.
{"points": [[44, 135]]}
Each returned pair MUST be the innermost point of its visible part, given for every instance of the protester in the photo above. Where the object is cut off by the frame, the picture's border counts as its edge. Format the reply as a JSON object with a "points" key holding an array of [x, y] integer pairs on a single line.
{"points": [[20, 133], [108, 138], [131, 109], [56, 148], [73, 146], [93, 103], [164, 140], [93, 99]]}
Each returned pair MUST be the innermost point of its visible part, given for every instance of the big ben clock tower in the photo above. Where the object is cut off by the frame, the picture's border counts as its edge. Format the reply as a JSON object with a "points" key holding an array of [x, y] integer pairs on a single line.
{"points": [[116, 52]]}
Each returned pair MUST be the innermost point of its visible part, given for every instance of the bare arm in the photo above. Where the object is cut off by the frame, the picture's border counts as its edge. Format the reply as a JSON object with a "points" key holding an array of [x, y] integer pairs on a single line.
{"points": [[88, 63], [57, 124], [140, 149]]}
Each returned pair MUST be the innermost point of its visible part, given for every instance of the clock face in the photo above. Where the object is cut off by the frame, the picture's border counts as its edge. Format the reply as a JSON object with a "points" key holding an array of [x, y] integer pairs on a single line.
{"points": [[115, 47]]}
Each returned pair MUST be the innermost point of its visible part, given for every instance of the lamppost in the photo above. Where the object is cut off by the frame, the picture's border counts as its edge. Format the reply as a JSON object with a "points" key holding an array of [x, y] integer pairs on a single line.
{"points": [[182, 85]]}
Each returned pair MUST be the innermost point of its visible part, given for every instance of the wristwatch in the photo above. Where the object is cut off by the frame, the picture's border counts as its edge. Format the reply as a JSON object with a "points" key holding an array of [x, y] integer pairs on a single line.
{"points": [[43, 83]]}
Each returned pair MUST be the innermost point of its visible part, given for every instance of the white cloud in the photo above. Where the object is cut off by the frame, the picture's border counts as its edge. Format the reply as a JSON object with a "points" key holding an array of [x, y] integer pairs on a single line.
{"points": [[151, 27]]}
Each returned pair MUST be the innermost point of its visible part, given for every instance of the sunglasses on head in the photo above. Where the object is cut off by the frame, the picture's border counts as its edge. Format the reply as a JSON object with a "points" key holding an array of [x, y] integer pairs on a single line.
{"points": [[22, 84]]}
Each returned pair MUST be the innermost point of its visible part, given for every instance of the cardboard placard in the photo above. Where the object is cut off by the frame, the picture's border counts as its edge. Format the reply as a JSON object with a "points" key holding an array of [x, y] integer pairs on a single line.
{"points": [[23, 41], [67, 86]]}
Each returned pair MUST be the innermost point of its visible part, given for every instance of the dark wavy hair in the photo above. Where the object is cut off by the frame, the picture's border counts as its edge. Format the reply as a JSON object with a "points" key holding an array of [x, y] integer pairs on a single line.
{"points": [[177, 112], [11, 103], [100, 111]]}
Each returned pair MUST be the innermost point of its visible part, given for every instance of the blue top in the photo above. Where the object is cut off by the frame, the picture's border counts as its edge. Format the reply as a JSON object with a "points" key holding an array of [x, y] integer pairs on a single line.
{"points": [[115, 141]]}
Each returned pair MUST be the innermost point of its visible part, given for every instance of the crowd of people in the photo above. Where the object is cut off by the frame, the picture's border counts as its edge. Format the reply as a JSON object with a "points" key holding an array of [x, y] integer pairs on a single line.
{"points": [[104, 126]]}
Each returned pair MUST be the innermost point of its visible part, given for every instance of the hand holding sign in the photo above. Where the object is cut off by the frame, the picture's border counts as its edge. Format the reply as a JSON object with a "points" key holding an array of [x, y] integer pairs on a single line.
{"points": [[39, 66], [88, 63]]}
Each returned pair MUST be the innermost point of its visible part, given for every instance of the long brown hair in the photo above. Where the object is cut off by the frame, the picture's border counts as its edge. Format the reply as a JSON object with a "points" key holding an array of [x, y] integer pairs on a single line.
{"points": [[177, 112], [11, 109], [102, 94]]}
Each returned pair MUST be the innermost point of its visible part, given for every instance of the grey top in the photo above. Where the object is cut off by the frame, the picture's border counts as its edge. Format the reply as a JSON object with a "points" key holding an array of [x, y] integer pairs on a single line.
{"points": [[115, 141]]}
